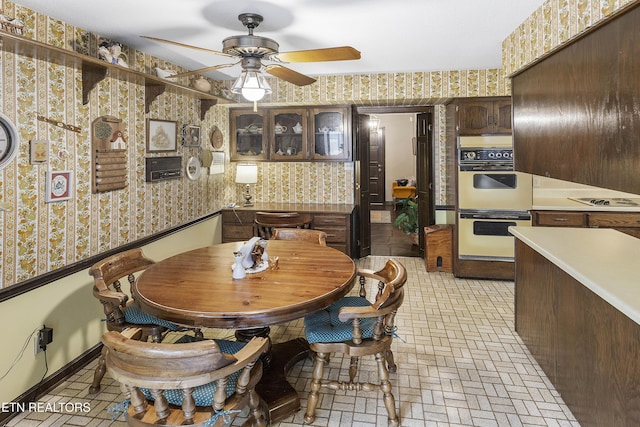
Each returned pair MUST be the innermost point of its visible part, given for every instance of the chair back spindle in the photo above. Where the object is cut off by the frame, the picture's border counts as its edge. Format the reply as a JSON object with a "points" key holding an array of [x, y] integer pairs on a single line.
{"points": [[364, 328], [199, 378], [265, 222], [300, 234]]}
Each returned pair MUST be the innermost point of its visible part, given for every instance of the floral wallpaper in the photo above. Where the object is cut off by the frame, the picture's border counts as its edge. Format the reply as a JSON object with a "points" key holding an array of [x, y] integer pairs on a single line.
{"points": [[553, 25], [37, 237]]}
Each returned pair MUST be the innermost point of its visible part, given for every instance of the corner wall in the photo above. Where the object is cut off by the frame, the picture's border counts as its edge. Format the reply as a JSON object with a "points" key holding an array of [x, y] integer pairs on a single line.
{"points": [[69, 307]]}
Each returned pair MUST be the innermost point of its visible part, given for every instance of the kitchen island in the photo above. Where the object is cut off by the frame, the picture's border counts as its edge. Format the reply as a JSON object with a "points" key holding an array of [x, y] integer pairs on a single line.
{"points": [[577, 308]]}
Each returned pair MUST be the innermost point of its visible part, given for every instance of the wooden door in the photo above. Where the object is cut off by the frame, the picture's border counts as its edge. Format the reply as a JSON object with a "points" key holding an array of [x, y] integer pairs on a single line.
{"points": [[362, 192], [425, 174], [377, 167]]}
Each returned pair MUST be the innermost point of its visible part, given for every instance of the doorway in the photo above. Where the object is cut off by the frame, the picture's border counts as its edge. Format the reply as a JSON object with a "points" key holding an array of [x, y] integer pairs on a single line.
{"points": [[377, 167], [385, 157]]}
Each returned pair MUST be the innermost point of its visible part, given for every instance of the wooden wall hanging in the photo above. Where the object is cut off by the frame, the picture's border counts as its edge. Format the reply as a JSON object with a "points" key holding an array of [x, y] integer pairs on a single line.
{"points": [[108, 155]]}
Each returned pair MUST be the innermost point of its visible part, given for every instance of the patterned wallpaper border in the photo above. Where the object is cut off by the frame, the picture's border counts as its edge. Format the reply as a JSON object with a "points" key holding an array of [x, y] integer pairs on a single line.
{"points": [[554, 24]]}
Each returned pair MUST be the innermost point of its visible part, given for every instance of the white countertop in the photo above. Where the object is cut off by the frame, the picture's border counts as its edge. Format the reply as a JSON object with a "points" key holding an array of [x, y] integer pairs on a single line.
{"points": [[566, 204], [602, 259]]}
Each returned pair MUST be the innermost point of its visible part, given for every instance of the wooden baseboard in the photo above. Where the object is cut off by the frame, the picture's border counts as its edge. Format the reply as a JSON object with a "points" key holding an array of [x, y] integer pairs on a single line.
{"points": [[51, 381], [476, 269]]}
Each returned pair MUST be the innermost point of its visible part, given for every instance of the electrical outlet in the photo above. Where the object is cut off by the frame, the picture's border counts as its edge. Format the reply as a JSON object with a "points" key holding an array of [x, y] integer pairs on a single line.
{"points": [[36, 344], [44, 337]]}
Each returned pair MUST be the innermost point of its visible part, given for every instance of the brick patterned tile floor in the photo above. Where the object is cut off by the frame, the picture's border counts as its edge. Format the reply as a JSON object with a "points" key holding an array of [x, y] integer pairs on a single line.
{"points": [[460, 363]]}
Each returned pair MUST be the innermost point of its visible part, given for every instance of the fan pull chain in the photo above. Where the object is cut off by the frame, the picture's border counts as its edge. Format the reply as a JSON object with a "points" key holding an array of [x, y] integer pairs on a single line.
{"points": [[255, 106]]}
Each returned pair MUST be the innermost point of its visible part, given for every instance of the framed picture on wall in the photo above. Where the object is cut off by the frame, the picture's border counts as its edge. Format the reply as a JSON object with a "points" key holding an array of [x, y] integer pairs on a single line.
{"points": [[191, 135], [161, 135], [59, 186]]}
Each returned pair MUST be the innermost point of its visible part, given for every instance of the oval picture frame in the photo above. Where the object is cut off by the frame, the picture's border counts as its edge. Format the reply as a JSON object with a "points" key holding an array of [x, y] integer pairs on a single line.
{"points": [[217, 139], [193, 168]]}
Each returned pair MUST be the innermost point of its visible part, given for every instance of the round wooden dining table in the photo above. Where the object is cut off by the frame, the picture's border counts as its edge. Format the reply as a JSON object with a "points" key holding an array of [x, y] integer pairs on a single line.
{"points": [[196, 288]]}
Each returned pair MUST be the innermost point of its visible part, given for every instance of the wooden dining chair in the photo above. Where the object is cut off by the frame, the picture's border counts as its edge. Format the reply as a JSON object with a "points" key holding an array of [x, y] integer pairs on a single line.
{"points": [[206, 382], [300, 234], [356, 327], [108, 276], [265, 222]]}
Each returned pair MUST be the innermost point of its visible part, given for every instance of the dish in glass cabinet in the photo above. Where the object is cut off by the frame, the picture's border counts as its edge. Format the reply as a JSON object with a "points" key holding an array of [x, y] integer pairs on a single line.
{"points": [[193, 168]]}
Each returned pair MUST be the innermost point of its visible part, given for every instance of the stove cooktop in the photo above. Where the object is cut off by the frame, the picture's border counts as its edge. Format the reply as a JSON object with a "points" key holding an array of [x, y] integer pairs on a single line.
{"points": [[614, 202]]}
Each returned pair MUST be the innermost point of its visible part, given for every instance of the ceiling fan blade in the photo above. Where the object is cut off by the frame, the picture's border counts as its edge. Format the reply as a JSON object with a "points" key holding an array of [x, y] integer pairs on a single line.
{"points": [[186, 45], [342, 53], [203, 70], [289, 75]]}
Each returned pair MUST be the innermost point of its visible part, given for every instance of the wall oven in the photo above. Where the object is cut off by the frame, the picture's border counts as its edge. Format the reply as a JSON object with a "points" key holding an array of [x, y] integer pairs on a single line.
{"points": [[484, 235], [491, 198]]}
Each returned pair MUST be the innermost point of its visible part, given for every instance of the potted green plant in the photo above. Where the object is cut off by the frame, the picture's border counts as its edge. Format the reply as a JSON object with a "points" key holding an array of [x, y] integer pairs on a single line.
{"points": [[407, 219]]}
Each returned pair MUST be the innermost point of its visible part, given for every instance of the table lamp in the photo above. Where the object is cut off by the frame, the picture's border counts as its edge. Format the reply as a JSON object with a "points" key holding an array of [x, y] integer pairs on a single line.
{"points": [[247, 174]]}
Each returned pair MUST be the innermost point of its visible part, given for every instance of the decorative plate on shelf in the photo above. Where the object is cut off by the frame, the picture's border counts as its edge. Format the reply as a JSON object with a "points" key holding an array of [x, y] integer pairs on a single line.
{"points": [[217, 139], [193, 168]]}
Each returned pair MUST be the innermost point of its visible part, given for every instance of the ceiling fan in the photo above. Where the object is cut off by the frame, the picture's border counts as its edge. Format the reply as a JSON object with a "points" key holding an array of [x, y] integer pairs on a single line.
{"points": [[252, 50]]}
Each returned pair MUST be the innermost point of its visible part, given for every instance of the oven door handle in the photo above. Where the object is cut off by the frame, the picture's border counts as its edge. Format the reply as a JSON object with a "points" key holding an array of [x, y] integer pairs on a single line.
{"points": [[504, 215], [486, 167]]}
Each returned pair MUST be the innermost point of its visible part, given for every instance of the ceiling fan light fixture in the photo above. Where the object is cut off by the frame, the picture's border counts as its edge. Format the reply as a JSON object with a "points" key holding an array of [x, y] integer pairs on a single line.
{"points": [[252, 85]]}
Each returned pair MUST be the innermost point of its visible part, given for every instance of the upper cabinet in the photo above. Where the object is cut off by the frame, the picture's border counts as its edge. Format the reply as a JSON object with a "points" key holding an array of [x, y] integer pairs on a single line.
{"points": [[484, 116], [288, 133], [291, 134], [249, 132], [576, 113], [331, 139]]}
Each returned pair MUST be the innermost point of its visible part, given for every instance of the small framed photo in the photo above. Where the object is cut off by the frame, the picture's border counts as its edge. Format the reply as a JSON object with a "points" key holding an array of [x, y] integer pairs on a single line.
{"points": [[161, 135], [39, 151], [191, 135], [59, 186]]}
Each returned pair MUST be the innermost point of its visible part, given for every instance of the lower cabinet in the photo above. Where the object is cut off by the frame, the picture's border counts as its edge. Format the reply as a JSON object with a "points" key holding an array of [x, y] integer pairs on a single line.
{"points": [[588, 349], [238, 223], [338, 229], [625, 222]]}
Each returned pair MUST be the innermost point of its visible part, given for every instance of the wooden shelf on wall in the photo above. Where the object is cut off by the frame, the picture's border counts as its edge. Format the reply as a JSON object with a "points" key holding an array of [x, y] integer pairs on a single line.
{"points": [[95, 70]]}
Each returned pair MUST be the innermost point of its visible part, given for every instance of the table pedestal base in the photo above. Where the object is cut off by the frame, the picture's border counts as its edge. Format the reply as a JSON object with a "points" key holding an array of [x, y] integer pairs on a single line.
{"points": [[280, 397]]}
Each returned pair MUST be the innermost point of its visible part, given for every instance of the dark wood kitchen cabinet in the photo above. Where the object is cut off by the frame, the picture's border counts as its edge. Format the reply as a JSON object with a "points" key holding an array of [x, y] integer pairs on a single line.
{"points": [[291, 134], [288, 134], [558, 219], [335, 220], [576, 113], [331, 133], [248, 135], [484, 116], [587, 348], [625, 222]]}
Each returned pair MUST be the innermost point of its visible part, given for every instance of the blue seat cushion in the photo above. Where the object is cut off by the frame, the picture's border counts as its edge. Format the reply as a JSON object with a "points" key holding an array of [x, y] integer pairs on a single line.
{"points": [[203, 395], [324, 326], [133, 314]]}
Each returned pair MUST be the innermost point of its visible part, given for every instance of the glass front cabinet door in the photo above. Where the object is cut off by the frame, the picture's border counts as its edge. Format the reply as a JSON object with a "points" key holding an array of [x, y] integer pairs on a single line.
{"points": [[248, 135], [288, 134], [330, 130]]}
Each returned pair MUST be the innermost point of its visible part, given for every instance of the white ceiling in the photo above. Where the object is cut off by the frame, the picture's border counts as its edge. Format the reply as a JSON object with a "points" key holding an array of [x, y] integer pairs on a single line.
{"points": [[392, 35]]}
